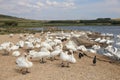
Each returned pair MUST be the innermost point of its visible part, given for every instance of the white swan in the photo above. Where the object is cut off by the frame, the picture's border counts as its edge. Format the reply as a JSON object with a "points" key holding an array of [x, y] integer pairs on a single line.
{"points": [[46, 45], [44, 53], [16, 53], [23, 63], [92, 51], [21, 44], [56, 52], [96, 47], [109, 34], [29, 45], [97, 39], [113, 51], [57, 41], [102, 40], [109, 41], [67, 58], [118, 36], [82, 48], [6, 47], [71, 45], [14, 47]]}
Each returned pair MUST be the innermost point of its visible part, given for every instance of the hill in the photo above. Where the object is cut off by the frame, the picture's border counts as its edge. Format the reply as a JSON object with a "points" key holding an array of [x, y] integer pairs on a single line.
{"points": [[22, 22], [6, 16]]}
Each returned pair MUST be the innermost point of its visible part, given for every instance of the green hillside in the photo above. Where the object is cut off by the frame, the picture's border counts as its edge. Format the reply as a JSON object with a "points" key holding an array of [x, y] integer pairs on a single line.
{"points": [[10, 21], [21, 21]]}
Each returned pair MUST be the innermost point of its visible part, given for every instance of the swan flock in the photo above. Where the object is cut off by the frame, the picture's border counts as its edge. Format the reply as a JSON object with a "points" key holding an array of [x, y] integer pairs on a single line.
{"points": [[51, 45]]}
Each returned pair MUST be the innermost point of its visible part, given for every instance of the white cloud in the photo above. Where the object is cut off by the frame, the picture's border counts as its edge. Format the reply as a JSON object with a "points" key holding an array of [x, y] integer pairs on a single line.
{"points": [[68, 8], [24, 4], [40, 4], [65, 4], [69, 4], [104, 6]]}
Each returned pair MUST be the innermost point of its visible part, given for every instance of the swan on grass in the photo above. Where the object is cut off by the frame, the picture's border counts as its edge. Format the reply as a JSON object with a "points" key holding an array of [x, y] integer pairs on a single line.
{"points": [[24, 64]]}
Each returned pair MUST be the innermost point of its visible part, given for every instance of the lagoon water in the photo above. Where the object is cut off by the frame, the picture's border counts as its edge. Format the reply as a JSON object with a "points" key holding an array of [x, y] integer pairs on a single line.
{"points": [[102, 29]]}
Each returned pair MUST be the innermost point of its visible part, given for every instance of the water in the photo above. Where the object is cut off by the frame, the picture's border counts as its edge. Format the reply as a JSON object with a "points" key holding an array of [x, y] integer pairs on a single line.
{"points": [[102, 29]]}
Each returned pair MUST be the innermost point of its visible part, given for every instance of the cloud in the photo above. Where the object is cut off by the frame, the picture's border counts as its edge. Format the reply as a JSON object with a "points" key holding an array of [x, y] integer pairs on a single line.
{"points": [[17, 6], [40, 4], [104, 6], [65, 4], [29, 5], [59, 9]]}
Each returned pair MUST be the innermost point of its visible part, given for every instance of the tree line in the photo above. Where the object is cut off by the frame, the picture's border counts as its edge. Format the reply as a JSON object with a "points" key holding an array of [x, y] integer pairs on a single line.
{"points": [[98, 20]]}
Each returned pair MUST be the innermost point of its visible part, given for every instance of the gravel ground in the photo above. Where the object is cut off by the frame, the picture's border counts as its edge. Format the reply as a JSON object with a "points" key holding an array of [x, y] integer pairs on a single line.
{"points": [[82, 70]]}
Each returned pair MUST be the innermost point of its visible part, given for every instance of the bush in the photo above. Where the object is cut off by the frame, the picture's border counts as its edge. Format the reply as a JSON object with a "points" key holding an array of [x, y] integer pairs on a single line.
{"points": [[11, 23]]}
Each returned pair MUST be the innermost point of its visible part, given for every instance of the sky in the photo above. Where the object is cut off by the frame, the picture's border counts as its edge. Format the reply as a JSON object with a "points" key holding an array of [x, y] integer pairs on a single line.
{"points": [[61, 9]]}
